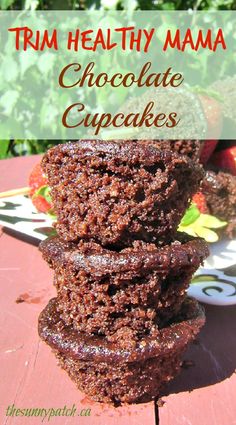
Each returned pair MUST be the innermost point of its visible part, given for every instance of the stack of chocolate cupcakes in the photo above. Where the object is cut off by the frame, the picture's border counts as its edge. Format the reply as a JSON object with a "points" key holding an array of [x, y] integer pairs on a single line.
{"points": [[121, 319]]}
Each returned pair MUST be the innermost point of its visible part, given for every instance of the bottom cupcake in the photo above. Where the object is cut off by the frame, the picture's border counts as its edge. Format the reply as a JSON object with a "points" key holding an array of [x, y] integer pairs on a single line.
{"points": [[108, 373]]}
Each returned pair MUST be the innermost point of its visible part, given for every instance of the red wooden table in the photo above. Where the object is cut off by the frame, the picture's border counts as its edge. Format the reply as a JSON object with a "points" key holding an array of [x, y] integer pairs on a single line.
{"points": [[204, 393]]}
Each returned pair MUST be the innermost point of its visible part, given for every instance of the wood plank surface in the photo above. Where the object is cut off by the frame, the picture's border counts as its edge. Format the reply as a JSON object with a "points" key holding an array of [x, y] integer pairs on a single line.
{"points": [[205, 392]]}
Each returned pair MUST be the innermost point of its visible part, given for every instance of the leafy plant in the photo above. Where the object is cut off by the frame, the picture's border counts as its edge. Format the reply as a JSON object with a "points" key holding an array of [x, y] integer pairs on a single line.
{"points": [[202, 225], [10, 148]]}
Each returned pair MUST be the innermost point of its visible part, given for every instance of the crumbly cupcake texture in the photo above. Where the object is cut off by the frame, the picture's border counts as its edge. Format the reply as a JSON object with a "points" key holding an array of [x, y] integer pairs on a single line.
{"points": [[123, 295], [113, 375], [113, 192], [121, 320], [191, 148], [220, 192]]}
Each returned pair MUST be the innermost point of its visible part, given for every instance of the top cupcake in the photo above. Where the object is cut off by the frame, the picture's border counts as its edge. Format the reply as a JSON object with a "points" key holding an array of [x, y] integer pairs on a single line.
{"points": [[114, 192]]}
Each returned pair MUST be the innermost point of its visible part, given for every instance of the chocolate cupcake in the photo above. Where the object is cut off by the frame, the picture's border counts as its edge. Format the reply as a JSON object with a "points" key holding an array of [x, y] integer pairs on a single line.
{"points": [[113, 192], [123, 295], [121, 319], [113, 375], [191, 148], [220, 193]]}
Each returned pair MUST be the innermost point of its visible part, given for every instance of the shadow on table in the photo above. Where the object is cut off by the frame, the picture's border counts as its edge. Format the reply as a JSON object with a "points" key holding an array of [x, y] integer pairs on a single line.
{"points": [[21, 236], [212, 358]]}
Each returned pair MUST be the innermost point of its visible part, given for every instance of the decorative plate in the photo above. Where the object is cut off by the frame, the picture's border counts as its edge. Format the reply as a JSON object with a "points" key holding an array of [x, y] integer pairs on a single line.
{"points": [[215, 283], [18, 213]]}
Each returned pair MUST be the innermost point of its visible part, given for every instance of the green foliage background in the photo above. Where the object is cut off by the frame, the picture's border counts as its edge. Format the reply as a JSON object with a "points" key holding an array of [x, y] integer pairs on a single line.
{"points": [[9, 148]]}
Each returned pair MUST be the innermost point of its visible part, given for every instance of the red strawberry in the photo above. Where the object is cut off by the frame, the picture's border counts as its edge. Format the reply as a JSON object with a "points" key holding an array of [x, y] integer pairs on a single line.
{"points": [[200, 200], [226, 159], [36, 179], [39, 191], [207, 150], [41, 204], [213, 113]]}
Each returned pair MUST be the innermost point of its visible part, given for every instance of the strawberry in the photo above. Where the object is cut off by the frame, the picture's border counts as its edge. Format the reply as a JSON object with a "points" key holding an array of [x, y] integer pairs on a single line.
{"points": [[213, 113], [41, 199], [36, 179], [207, 150], [200, 201], [39, 191], [226, 159], [41, 204]]}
